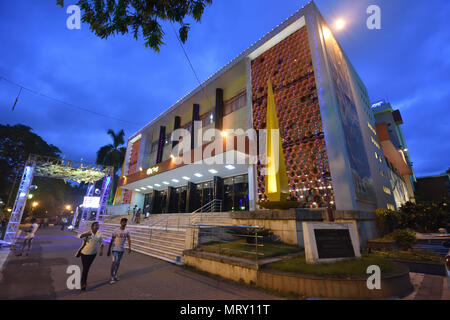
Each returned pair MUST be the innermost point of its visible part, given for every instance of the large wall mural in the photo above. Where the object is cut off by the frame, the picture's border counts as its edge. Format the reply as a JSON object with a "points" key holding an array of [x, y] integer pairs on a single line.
{"points": [[342, 82]]}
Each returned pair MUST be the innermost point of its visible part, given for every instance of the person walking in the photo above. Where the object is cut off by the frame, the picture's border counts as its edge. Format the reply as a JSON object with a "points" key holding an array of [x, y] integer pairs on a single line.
{"points": [[138, 216], [63, 223], [117, 244], [147, 211], [92, 240], [29, 237], [134, 213]]}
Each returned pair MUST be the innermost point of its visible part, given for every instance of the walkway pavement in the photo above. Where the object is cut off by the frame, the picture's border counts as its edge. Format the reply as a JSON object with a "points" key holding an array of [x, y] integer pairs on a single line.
{"points": [[429, 287], [42, 275]]}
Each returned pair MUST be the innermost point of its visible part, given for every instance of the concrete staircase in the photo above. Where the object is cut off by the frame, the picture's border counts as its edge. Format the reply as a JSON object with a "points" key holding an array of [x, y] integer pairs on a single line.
{"points": [[213, 218], [163, 236], [157, 242]]}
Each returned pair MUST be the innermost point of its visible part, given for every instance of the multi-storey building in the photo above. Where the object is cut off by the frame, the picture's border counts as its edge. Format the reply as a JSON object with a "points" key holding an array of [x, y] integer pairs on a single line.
{"points": [[331, 148], [395, 151]]}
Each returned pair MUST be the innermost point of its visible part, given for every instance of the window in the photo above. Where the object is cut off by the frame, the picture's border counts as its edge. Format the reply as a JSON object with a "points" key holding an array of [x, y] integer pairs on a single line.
{"points": [[375, 142], [387, 190], [390, 207], [207, 118], [235, 103]]}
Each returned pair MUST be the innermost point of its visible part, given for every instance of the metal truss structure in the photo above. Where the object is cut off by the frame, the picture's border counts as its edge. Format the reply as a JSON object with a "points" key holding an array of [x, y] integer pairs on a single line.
{"points": [[43, 166]]}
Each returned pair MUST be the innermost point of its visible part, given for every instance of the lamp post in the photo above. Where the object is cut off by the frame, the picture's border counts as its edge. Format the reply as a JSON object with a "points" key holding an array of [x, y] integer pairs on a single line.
{"points": [[33, 206]]}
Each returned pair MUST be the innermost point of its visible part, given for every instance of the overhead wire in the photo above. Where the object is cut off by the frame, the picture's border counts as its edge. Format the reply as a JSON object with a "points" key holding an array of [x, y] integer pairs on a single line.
{"points": [[71, 105]]}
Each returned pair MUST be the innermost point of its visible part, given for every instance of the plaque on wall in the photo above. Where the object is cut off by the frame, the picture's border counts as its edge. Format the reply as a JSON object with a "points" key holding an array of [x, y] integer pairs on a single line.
{"points": [[334, 243], [329, 242]]}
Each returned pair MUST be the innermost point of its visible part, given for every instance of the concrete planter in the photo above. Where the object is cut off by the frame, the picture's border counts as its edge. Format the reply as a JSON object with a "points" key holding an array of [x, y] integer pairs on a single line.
{"points": [[381, 245], [397, 285]]}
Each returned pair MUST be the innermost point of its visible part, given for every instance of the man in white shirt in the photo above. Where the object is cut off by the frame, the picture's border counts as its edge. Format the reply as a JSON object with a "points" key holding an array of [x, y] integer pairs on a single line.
{"points": [[93, 240], [117, 244], [31, 232]]}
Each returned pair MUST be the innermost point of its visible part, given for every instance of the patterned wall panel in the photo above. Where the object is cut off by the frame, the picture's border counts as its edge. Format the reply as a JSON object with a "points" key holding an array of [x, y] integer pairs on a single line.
{"points": [[289, 65]]}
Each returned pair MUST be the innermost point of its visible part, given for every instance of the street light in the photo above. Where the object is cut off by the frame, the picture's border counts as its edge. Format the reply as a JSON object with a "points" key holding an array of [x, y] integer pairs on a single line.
{"points": [[68, 207], [340, 24], [35, 204]]}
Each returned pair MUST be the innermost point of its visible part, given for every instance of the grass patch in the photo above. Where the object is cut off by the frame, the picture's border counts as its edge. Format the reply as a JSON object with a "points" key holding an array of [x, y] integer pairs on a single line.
{"points": [[342, 269], [241, 249], [413, 255]]}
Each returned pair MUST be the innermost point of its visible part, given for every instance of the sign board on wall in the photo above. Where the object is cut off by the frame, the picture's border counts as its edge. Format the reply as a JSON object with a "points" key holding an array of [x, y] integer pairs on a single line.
{"points": [[91, 202], [330, 242]]}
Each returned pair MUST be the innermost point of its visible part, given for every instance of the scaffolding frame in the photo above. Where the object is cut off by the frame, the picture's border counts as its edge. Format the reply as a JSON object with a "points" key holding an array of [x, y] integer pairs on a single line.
{"points": [[49, 167]]}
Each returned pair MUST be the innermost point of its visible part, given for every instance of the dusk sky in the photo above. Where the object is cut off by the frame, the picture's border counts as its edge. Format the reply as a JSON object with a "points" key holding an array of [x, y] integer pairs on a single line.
{"points": [[406, 62]]}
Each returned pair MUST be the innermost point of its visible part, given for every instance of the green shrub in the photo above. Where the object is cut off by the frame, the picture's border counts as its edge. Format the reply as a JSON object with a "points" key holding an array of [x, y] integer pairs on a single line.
{"points": [[423, 216], [386, 221], [405, 238], [264, 235]]}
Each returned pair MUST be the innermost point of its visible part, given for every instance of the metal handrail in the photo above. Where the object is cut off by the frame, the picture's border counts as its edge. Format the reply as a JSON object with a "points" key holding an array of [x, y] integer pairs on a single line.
{"points": [[211, 205]]}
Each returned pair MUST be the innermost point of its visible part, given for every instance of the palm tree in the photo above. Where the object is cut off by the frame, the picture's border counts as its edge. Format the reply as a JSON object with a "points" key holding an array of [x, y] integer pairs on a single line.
{"points": [[113, 155]]}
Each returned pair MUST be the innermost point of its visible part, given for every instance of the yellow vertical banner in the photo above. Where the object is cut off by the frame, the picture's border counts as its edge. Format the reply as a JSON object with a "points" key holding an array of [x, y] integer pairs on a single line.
{"points": [[118, 194], [276, 180]]}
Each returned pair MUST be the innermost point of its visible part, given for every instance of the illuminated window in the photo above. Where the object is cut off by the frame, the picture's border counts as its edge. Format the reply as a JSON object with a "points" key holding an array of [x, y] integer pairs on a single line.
{"points": [[390, 207], [371, 128], [375, 142], [387, 190]]}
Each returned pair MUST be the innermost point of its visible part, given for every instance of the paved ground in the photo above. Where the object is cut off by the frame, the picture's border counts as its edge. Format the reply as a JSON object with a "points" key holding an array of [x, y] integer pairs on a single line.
{"points": [[42, 275], [429, 287]]}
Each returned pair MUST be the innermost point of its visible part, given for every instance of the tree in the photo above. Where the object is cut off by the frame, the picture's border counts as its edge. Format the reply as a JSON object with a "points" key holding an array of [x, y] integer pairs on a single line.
{"points": [[113, 155], [111, 17], [16, 144]]}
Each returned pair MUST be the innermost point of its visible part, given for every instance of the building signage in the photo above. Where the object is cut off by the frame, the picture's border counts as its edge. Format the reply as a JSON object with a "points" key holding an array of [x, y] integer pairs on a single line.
{"points": [[153, 170], [91, 202]]}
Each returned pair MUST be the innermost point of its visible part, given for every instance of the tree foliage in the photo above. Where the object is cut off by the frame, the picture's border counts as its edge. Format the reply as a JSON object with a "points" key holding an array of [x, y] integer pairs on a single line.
{"points": [[141, 17], [113, 155], [16, 144], [423, 216]]}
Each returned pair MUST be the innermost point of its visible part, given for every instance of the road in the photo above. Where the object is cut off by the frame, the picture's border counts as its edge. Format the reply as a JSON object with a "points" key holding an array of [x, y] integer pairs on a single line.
{"points": [[42, 275]]}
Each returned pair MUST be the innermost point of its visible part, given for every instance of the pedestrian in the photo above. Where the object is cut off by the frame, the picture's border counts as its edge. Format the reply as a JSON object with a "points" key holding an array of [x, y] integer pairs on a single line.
{"points": [[29, 236], [92, 240], [134, 213], [138, 216], [63, 223], [117, 245], [147, 211]]}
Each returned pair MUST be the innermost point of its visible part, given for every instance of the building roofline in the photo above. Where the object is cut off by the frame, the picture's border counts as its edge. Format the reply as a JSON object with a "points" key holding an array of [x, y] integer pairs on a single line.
{"points": [[279, 28]]}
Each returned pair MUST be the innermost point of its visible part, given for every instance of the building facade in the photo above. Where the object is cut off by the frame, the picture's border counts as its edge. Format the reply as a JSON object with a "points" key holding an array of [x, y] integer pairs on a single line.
{"points": [[433, 188], [395, 150], [331, 147]]}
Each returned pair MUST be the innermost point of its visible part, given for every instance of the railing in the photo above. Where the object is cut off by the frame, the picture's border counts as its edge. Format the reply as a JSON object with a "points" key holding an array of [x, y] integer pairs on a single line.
{"points": [[212, 206], [241, 242]]}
